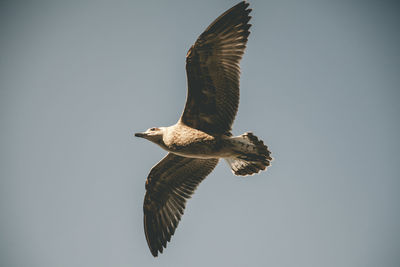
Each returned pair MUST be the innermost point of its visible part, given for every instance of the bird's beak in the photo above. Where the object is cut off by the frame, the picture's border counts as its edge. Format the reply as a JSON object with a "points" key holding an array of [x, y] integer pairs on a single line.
{"points": [[140, 135]]}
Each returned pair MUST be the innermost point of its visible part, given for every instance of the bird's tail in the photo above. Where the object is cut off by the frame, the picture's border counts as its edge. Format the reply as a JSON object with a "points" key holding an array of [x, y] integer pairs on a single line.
{"points": [[251, 157]]}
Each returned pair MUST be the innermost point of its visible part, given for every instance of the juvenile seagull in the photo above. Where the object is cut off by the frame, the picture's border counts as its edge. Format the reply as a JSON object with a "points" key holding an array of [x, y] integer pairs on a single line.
{"points": [[203, 133]]}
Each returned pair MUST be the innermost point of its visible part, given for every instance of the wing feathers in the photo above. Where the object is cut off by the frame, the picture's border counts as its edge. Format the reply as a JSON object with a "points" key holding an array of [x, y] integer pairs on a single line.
{"points": [[212, 66], [170, 183]]}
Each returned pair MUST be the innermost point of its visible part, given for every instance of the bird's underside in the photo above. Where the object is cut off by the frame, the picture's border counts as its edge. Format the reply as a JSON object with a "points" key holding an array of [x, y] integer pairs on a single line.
{"points": [[203, 133]]}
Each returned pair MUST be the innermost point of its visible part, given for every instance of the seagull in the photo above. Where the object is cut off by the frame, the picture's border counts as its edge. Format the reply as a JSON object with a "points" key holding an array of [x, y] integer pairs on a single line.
{"points": [[202, 135]]}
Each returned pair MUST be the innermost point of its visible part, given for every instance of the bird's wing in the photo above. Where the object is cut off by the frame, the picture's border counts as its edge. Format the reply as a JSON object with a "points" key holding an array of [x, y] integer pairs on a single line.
{"points": [[212, 68], [169, 184]]}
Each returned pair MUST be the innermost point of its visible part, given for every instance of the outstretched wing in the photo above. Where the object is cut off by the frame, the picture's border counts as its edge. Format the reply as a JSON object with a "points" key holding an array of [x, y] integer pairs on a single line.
{"points": [[170, 183], [213, 72]]}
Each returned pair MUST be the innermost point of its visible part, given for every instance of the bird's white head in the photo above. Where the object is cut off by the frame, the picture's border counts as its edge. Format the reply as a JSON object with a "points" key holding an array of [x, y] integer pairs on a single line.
{"points": [[154, 135]]}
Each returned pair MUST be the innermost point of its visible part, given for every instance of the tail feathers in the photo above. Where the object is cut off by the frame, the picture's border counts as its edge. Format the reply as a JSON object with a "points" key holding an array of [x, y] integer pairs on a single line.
{"points": [[253, 156], [243, 168]]}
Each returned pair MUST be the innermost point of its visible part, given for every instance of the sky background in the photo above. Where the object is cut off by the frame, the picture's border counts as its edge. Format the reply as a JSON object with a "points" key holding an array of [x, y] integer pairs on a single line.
{"points": [[320, 85]]}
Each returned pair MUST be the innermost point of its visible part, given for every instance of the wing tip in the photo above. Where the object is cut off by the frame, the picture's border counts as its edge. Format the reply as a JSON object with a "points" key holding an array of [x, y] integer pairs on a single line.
{"points": [[244, 3], [154, 253], [153, 242]]}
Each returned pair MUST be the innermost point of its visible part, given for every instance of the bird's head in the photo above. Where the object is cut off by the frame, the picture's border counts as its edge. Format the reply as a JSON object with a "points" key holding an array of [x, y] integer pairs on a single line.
{"points": [[152, 134]]}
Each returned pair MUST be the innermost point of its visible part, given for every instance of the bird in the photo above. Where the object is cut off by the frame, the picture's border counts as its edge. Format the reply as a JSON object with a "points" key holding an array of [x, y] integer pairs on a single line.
{"points": [[202, 134]]}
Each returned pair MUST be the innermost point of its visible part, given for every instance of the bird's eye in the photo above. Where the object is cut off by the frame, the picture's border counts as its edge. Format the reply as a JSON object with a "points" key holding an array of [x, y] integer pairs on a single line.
{"points": [[153, 129]]}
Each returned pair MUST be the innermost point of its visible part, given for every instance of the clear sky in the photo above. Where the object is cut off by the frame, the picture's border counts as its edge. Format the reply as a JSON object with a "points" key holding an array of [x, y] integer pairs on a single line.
{"points": [[320, 85]]}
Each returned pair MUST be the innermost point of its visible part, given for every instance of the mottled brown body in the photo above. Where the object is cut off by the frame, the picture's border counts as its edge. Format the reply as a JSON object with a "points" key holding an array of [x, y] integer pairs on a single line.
{"points": [[185, 141]]}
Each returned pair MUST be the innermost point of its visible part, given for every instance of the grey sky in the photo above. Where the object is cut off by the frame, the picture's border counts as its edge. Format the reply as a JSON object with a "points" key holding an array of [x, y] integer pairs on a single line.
{"points": [[320, 85]]}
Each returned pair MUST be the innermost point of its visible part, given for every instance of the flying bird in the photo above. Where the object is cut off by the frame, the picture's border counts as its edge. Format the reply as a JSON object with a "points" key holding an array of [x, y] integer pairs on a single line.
{"points": [[202, 135]]}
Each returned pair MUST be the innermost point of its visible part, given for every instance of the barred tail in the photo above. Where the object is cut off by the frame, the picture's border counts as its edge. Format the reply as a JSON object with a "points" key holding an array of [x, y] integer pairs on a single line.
{"points": [[252, 155]]}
